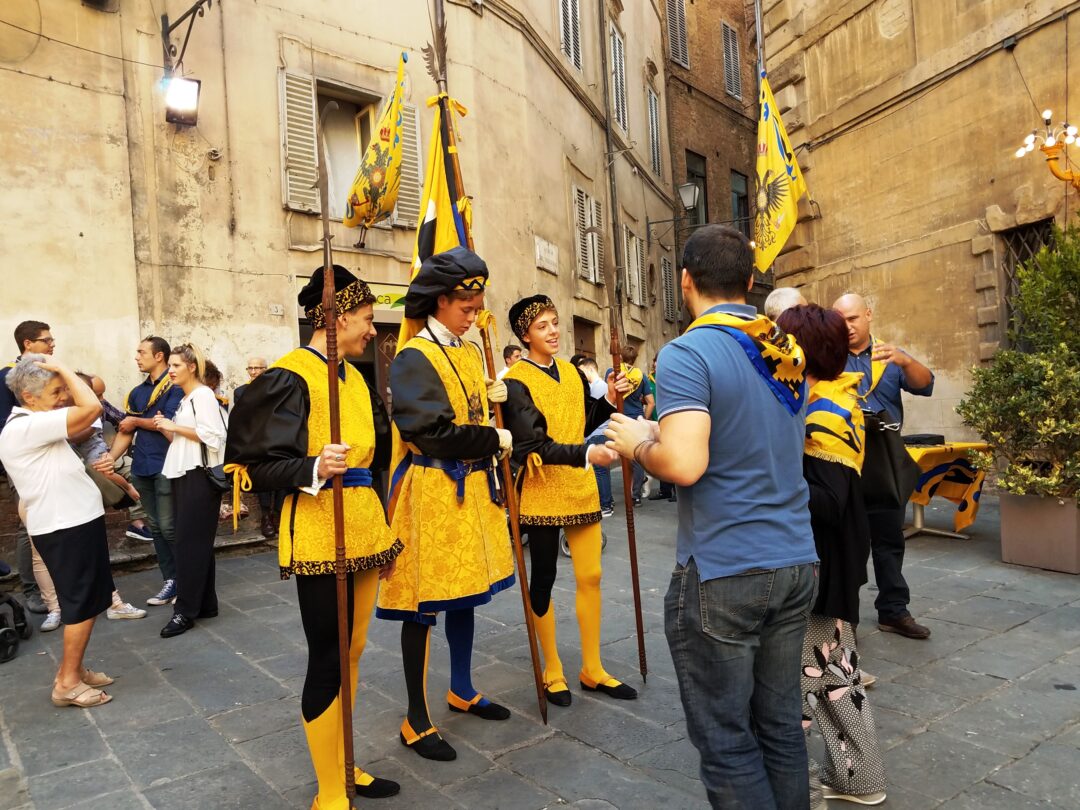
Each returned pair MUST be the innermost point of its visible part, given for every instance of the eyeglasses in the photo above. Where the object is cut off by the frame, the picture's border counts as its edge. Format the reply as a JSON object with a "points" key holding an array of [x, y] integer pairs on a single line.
{"points": [[49, 341], [256, 368]]}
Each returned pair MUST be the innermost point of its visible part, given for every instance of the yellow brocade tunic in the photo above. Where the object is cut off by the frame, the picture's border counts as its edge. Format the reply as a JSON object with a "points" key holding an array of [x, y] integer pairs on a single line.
{"points": [[557, 494], [457, 554], [306, 539]]}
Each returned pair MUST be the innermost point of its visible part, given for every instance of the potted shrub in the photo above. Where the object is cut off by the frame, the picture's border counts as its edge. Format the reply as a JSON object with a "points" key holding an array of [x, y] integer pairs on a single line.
{"points": [[1026, 405]]}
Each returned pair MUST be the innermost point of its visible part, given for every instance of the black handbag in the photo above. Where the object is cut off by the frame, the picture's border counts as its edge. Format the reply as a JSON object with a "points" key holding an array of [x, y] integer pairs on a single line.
{"points": [[889, 474], [216, 475]]}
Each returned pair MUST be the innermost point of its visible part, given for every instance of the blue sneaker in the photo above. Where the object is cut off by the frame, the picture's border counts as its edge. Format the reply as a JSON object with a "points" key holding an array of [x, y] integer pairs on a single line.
{"points": [[166, 596], [139, 533]]}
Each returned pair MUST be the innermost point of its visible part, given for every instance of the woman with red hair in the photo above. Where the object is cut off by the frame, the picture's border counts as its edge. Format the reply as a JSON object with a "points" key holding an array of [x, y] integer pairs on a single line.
{"points": [[833, 692]]}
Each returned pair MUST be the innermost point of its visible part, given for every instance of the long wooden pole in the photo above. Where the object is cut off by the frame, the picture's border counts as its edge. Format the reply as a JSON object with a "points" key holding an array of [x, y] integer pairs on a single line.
{"points": [[329, 306], [457, 192], [614, 297]]}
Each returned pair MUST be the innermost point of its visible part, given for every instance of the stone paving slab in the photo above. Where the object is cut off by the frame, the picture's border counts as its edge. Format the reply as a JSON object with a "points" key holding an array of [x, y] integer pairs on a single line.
{"points": [[985, 714]]}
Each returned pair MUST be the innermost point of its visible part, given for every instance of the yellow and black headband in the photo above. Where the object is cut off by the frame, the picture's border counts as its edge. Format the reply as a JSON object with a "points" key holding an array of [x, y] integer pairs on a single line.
{"points": [[527, 310]]}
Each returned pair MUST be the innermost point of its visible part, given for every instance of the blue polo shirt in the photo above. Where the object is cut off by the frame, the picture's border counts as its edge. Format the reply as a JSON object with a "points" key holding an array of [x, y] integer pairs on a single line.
{"points": [[148, 453], [749, 509], [886, 395]]}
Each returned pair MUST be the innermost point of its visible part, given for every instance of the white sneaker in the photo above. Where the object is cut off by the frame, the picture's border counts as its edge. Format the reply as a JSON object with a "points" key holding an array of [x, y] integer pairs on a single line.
{"points": [[125, 610], [52, 621], [868, 799]]}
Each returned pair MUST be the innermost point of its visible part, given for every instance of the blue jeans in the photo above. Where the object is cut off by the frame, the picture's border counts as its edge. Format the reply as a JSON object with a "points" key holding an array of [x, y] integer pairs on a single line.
{"points": [[737, 644], [603, 479], [155, 496]]}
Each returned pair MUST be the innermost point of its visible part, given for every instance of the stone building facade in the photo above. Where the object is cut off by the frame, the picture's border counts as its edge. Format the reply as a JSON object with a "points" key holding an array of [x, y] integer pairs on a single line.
{"points": [[118, 224], [905, 116], [712, 105]]}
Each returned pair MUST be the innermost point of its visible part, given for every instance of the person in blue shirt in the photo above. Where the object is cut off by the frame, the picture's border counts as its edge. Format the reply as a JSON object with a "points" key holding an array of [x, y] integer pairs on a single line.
{"points": [[886, 372], [732, 408], [154, 395]]}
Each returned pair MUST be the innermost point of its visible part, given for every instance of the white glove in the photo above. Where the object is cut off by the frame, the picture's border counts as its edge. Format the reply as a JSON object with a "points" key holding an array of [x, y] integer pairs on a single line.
{"points": [[506, 440], [496, 390]]}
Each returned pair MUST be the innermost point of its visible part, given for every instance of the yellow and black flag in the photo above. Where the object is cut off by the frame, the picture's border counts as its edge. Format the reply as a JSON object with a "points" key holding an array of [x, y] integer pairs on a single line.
{"points": [[780, 184]]}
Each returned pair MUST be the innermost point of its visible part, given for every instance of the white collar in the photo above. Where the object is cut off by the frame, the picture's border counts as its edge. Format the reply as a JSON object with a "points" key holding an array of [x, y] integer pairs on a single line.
{"points": [[437, 332], [530, 360]]}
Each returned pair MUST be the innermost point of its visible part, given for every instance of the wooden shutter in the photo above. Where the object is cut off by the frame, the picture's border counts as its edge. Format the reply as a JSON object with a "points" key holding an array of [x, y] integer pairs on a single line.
{"points": [[630, 256], [618, 73], [300, 160], [732, 62], [407, 210], [598, 242], [570, 30], [582, 238], [643, 273], [668, 281], [676, 21], [654, 132]]}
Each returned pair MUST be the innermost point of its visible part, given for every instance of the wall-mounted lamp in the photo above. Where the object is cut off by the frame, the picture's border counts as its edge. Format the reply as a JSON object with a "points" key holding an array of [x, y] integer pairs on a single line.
{"points": [[181, 94], [688, 196], [1052, 142]]}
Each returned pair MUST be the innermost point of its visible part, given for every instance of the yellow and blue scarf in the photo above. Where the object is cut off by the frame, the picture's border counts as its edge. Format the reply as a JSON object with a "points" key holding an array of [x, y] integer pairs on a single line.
{"points": [[774, 354], [835, 429], [163, 385]]}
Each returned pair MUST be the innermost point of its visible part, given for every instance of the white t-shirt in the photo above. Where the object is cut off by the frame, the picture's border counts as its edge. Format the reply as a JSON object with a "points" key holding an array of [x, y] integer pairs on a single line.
{"points": [[199, 410], [48, 475]]}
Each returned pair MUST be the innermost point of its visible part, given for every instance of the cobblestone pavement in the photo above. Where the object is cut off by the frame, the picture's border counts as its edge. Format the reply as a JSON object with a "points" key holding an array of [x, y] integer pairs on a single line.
{"points": [[983, 715]]}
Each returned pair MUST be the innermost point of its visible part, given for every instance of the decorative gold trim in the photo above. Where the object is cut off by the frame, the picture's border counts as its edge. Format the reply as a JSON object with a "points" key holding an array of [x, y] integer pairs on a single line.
{"points": [[561, 520], [530, 314], [314, 567], [474, 283], [352, 295]]}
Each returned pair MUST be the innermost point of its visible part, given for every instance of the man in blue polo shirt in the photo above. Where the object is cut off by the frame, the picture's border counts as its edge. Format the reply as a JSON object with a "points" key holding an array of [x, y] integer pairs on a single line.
{"points": [[732, 410], [901, 372], [153, 395]]}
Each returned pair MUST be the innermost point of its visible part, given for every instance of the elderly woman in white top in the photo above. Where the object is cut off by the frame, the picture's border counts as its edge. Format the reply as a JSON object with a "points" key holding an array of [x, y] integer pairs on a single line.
{"points": [[62, 508], [197, 435]]}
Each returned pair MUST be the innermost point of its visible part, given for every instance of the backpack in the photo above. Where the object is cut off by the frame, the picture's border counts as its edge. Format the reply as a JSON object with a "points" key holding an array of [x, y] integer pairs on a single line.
{"points": [[11, 631]]}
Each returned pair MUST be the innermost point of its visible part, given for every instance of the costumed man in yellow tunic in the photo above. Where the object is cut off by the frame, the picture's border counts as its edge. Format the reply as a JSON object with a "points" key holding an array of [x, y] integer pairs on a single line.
{"points": [[549, 412], [446, 505], [279, 436]]}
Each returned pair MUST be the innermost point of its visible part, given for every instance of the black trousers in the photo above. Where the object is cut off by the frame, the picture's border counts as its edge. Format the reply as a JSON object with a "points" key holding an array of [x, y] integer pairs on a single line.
{"points": [[195, 507], [887, 550]]}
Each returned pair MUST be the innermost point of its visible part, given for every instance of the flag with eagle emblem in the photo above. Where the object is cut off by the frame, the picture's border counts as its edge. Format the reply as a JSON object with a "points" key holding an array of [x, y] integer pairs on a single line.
{"points": [[779, 183], [374, 190]]}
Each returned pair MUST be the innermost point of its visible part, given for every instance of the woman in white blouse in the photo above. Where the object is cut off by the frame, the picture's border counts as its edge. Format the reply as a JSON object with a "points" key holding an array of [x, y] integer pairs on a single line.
{"points": [[197, 434]]}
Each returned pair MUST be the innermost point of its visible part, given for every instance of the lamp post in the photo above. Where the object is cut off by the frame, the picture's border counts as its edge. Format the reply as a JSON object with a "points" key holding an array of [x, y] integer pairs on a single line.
{"points": [[688, 196], [181, 94], [1052, 142]]}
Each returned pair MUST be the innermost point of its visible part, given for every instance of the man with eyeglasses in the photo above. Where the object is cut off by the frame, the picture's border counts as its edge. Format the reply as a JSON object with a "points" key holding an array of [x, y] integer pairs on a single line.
{"points": [[30, 336], [269, 502]]}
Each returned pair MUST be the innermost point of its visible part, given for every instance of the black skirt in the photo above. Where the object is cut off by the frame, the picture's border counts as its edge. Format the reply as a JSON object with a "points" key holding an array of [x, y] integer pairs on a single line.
{"points": [[78, 562]]}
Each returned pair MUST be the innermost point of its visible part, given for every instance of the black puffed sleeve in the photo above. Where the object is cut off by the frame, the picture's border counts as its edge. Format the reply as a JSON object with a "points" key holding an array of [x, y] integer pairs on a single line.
{"points": [[383, 440], [524, 420], [597, 411], [268, 432], [424, 416]]}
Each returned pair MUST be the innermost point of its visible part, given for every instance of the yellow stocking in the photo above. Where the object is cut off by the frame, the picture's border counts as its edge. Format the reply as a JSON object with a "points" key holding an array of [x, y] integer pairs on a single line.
{"points": [[324, 738], [554, 679], [365, 589], [586, 543]]}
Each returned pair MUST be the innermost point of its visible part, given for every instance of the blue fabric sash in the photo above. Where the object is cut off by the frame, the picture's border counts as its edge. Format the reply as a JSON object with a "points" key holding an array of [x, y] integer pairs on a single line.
{"points": [[353, 477], [459, 470]]}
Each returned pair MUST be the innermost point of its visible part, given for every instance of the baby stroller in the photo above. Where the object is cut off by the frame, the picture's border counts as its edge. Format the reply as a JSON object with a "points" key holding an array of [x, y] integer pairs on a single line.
{"points": [[14, 629]]}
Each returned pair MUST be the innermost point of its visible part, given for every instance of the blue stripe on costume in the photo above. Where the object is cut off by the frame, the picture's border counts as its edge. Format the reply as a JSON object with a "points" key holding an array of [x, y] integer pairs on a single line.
{"points": [[790, 401], [425, 611]]}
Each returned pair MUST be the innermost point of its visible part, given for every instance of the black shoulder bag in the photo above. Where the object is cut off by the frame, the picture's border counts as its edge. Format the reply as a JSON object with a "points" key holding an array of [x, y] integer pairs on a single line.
{"points": [[889, 473], [216, 474]]}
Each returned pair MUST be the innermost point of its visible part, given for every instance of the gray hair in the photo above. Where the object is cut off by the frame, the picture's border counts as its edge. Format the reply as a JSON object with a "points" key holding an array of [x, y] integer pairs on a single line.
{"points": [[28, 377], [780, 299]]}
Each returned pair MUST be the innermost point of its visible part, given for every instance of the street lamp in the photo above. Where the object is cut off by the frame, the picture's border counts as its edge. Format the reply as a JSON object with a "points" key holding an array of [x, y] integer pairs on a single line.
{"points": [[1052, 142], [688, 196], [181, 94]]}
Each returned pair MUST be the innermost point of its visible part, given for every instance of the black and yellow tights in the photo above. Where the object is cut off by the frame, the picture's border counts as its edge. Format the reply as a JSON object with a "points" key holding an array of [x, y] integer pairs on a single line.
{"points": [[586, 543], [321, 701]]}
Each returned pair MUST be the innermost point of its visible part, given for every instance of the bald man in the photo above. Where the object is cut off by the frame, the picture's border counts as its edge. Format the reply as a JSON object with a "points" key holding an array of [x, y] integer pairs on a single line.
{"points": [[901, 372], [783, 298]]}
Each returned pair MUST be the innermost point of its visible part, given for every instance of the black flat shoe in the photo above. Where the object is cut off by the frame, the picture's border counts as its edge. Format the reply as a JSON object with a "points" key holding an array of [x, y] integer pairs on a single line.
{"points": [[431, 746], [177, 625], [562, 698], [379, 789], [492, 711], [619, 692]]}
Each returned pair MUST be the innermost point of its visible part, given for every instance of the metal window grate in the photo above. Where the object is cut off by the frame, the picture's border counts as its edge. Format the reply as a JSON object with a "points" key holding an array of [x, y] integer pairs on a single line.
{"points": [[1021, 245]]}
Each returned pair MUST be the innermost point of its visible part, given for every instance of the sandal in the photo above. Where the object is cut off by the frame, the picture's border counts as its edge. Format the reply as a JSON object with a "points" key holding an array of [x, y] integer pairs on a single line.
{"points": [[98, 679], [82, 695]]}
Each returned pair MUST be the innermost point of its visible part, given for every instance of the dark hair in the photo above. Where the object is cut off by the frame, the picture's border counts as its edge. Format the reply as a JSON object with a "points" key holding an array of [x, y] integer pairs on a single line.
{"points": [[576, 360], [822, 334], [629, 354], [719, 260], [28, 330], [158, 345], [587, 362], [212, 376], [508, 351]]}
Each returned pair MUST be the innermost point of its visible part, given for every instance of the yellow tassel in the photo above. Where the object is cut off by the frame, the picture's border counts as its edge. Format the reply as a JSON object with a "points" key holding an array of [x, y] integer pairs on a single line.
{"points": [[241, 481]]}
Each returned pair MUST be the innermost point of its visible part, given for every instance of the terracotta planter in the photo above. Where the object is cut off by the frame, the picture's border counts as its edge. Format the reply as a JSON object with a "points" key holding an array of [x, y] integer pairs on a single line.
{"points": [[1040, 532]]}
